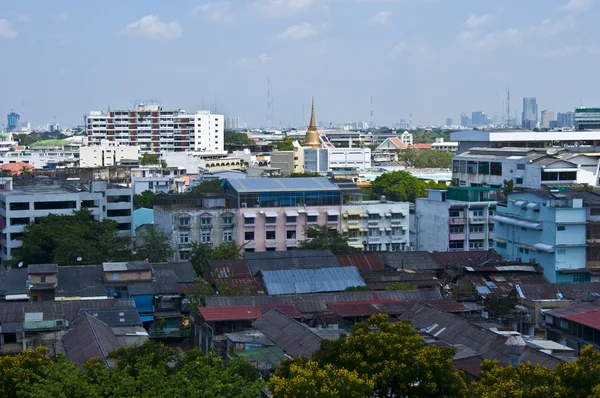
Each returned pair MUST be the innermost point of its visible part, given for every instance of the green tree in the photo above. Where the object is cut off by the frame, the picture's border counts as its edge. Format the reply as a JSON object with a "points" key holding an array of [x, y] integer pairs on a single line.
{"points": [[357, 289], [149, 158], [285, 144], [399, 186], [208, 186], [236, 138], [144, 199], [395, 358], [201, 254], [324, 238], [303, 175], [401, 286], [61, 239], [154, 245]]}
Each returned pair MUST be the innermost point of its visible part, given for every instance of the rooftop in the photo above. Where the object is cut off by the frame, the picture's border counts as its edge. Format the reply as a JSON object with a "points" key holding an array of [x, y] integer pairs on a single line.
{"points": [[295, 281], [417, 260], [280, 184], [89, 338], [523, 135], [587, 314], [292, 259], [569, 291]]}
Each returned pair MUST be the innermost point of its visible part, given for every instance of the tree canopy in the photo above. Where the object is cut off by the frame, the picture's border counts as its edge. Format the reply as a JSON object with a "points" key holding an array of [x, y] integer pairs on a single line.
{"points": [[426, 158], [144, 199], [149, 370], [324, 238], [208, 186], [153, 245], [149, 158], [235, 138], [304, 175], [285, 144], [401, 186], [61, 239], [201, 254]]}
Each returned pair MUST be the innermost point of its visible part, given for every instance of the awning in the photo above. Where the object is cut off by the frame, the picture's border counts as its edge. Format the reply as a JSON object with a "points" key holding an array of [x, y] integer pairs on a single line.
{"points": [[382, 229], [352, 212], [524, 246], [533, 205], [520, 203], [270, 214], [517, 223], [249, 215], [333, 213], [354, 226], [544, 247], [388, 229], [499, 240], [146, 318], [388, 214], [357, 246], [312, 213], [559, 170], [292, 213], [381, 215], [345, 230], [10, 297]]}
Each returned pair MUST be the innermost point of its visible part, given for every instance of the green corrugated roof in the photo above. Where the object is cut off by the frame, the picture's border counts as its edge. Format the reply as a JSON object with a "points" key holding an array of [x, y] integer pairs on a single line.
{"points": [[51, 143], [271, 354]]}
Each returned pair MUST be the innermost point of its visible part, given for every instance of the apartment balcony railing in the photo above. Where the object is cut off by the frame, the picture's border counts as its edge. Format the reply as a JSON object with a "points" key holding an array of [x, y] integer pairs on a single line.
{"points": [[456, 220]]}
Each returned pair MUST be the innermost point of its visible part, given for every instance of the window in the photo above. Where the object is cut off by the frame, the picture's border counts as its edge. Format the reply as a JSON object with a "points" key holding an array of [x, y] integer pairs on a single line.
{"points": [[227, 220], [249, 235], [580, 278], [271, 220], [396, 216], [477, 228], [397, 231], [227, 236], [496, 168], [184, 222], [206, 237], [454, 213], [205, 221], [19, 206], [560, 227], [374, 232], [521, 166], [248, 220], [476, 244], [373, 216], [118, 213], [373, 247], [115, 276], [459, 244], [270, 235], [332, 218], [491, 212], [290, 219], [291, 234], [184, 237], [396, 247], [477, 213], [42, 279], [184, 255], [311, 219], [519, 180]]}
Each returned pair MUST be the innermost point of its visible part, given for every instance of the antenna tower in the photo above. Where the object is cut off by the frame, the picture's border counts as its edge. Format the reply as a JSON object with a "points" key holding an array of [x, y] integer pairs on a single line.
{"points": [[508, 107], [372, 120], [269, 110]]}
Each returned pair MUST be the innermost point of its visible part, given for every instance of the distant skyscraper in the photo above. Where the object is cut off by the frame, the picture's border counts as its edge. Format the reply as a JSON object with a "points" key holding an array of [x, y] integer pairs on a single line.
{"points": [[232, 123], [529, 118], [546, 118], [464, 120], [566, 119], [449, 122], [587, 119], [479, 118], [13, 121]]}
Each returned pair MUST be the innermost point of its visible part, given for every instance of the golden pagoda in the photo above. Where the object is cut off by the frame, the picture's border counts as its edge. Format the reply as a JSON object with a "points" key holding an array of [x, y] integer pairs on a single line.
{"points": [[312, 135]]}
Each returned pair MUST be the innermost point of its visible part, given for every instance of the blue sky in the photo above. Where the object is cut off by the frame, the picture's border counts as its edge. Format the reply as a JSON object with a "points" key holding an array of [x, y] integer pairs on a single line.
{"points": [[432, 58]]}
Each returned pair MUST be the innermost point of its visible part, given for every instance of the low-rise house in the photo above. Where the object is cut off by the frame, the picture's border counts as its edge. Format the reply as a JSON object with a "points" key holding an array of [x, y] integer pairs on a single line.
{"points": [[88, 338], [295, 259], [298, 281], [575, 326]]}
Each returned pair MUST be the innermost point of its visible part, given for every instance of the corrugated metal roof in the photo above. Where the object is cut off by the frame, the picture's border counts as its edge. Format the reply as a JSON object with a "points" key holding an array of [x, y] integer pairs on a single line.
{"points": [[243, 312], [455, 330], [587, 314], [469, 258], [568, 291], [296, 259], [281, 184], [364, 261], [418, 260], [253, 285], [295, 281], [42, 268], [89, 338], [229, 269]]}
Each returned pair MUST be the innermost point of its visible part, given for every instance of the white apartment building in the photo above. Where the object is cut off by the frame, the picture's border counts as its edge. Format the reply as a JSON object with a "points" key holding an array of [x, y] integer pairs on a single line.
{"points": [[376, 225], [157, 130], [406, 138], [22, 204], [154, 178], [322, 160], [108, 153], [457, 219], [446, 146]]}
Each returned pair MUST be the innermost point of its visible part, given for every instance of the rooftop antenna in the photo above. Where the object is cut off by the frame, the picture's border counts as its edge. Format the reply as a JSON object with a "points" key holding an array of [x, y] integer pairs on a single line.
{"points": [[410, 121], [508, 106], [269, 110], [372, 121]]}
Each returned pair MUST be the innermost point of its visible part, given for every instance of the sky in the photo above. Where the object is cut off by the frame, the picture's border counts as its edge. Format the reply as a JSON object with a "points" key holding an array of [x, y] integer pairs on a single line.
{"points": [[430, 58]]}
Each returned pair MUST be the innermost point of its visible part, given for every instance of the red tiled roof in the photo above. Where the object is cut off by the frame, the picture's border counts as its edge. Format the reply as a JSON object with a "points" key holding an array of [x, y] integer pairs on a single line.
{"points": [[590, 319], [238, 313], [448, 305], [288, 309], [16, 168], [187, 288], [344, 310], [397, 142], [421, 146], [364, 262]]}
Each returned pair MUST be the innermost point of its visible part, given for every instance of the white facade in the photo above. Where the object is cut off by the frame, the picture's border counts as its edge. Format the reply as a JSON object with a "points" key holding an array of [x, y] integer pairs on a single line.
{"points": [[441, 145], [107, 154], [406, 138], [154, 179], [321, 160], [157, 130], [23, 204], [377, 225]]}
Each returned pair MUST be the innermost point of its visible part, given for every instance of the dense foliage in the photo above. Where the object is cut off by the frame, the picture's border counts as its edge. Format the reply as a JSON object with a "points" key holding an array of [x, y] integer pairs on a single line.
{"points": [[324, 238], [149, 370], [401, 186], [144, 199], [201, 254], [208, 186], [426, 158], [149, 158], [429, 136], [153, 245], [303, 175], [61, 239], [285, 144], [401, 286], [32, 138], [235, 138]]}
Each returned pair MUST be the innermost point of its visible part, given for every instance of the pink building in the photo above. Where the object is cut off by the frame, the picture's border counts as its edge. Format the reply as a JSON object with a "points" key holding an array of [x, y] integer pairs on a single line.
{"points": [[274, 212]]}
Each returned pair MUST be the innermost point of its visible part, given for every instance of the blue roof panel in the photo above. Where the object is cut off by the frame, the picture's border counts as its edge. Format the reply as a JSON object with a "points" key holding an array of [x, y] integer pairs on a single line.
{"points": [[282, 184], [295, 281]]}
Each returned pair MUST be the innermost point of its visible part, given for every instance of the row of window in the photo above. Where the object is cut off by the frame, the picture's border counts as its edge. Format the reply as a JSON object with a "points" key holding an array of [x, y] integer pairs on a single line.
{"points": [[250, 221], [205, 221], [474, 244], [473, 213], [473, 228], [205, 237]]}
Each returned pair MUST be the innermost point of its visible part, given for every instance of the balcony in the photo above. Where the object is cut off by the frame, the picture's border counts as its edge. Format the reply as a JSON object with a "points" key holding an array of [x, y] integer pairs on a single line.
{"points": [[355, 240], [476, 235], [398, 239], [373, 222], [458, 236], [374, 239], [456, 220], [353, 222], [477, 219]]}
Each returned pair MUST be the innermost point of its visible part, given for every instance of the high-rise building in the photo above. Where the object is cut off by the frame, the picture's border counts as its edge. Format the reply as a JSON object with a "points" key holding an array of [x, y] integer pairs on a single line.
{"points": [[546, 118], [13, 121], [157, 130], [479, 118], [449, 121], [464, 120], [587, 119], [232, 123], [529, 117], [566, 119]]}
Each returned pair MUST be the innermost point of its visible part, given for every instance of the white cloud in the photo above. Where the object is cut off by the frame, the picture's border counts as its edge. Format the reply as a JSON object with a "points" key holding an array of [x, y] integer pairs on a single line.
{"points": [[399, 48], [577, 6], [6, 30], [151, 26], [474, 40], [248, 62], [381, 18], [216, 12], [279, 8], [298, 32], [550, 28], [63, 16], [568, 51], [477, 20]]}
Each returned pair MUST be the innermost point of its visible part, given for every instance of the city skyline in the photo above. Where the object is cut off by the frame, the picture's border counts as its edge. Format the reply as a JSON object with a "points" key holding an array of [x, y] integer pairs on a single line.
{"points": [[68, 58]]}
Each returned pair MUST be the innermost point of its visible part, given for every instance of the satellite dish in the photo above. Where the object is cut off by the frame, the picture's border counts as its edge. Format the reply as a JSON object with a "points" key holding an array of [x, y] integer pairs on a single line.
{"points": [[20, 264], [552, 151], [79, 259]]}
